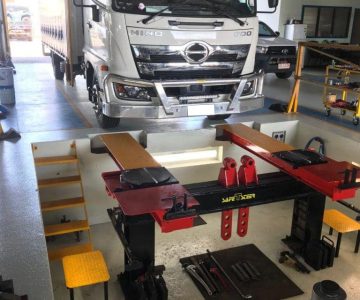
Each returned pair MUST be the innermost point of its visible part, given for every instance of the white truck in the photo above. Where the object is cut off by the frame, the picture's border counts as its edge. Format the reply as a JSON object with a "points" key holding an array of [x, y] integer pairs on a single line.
{"points": [[157, 58]]}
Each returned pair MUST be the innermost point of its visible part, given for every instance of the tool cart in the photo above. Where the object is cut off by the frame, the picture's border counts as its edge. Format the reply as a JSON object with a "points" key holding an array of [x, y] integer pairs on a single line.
{"points": [[339, 79]]}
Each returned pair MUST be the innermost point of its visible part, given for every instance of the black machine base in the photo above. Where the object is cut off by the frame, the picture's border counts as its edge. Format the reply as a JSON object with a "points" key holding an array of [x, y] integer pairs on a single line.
{"points": [[147, 286]]}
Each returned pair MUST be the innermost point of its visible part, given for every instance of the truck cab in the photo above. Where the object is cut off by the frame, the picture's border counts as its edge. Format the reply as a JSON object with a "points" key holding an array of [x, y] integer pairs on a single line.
{"points": [[159, 59]]}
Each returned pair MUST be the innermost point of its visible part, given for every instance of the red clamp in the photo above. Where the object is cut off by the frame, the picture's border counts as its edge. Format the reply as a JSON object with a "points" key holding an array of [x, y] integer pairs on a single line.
{"points": [[226, 224], [243, 221], [247, 171], [228, 175]]}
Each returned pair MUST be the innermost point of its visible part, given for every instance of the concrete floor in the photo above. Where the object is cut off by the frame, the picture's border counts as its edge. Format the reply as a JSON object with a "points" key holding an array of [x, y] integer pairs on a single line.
{"points": [[47, 111]]}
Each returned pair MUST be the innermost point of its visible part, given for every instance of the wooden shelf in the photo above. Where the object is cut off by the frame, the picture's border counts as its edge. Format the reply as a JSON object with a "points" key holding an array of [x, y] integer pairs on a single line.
{"points": [[58, 253], [61, 204], [69, 227], [53, 160], [43, 183]]}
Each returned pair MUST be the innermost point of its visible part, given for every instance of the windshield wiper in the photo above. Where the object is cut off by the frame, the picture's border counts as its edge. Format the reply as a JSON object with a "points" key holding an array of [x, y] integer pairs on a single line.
{"points": [[154, 15], [212, 8], [223, 12]]}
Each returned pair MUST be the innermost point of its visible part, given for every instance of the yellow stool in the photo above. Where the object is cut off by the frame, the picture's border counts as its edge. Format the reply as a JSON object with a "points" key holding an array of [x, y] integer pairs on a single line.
{"points": [[342, 224], [85, 269]]}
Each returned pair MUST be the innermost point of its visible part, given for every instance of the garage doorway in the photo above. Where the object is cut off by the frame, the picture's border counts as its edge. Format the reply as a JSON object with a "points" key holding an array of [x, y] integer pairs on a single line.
{"points": [[355, 36], [23, 23]]}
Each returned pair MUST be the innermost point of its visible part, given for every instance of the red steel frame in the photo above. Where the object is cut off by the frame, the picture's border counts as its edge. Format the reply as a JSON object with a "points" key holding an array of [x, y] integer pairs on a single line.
{"points": [[325, 178]]}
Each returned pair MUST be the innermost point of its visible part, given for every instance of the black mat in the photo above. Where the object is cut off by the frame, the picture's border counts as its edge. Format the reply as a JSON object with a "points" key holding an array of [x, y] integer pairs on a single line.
{"points": [[272, 285]]}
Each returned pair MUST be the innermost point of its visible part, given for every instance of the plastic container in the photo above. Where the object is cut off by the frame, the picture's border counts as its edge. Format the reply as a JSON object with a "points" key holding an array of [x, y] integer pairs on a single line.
{"points": [[328, 290], [7, 91]]}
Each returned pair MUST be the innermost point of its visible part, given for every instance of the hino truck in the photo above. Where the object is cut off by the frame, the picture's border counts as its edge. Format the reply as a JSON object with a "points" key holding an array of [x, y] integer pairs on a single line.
{"points": [[157, 58]]}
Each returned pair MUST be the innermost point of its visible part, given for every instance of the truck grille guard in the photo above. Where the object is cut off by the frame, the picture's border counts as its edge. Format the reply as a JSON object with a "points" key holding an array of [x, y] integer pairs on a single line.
{"points": [[165, 101]]}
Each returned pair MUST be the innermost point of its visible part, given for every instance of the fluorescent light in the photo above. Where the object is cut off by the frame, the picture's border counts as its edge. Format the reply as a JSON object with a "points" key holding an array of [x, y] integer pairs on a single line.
{"points": [[192, 157], [356, 164]]}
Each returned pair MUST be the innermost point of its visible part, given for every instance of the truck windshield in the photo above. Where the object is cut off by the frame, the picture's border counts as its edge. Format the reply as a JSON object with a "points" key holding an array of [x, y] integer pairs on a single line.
{"points": [[200, 8], [265, 30]]}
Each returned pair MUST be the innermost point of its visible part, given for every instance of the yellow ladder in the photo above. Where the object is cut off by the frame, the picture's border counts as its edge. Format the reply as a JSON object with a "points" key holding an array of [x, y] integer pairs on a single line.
{"points": [[58, 205]]}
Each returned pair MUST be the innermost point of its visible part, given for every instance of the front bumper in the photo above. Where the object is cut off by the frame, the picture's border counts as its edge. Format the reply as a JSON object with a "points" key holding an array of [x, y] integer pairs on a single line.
{"points": [[163, 106]]}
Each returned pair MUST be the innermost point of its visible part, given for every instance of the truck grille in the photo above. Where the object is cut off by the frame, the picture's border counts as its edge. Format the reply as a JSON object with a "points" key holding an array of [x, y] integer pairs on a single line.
{"points": [[172, 62], [194, 74], [280, 50]]}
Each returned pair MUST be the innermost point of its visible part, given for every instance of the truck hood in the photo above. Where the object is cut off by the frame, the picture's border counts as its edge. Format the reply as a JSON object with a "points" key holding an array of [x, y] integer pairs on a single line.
{"points": [[160, 32], [276, 41]]}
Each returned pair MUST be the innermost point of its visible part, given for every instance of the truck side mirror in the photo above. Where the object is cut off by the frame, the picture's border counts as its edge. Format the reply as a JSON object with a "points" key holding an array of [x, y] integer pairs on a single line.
{"points": [[273, 3], [95, 13], [277, 33], [94, 8]]}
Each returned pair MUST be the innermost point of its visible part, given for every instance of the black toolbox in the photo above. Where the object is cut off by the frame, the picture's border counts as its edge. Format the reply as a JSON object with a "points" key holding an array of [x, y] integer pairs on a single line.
{"points": [[319, 254]]}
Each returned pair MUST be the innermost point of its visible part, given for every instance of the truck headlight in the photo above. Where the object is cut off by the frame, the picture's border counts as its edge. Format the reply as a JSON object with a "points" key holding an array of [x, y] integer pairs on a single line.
{"points": [[130, 92], [261, 49]]}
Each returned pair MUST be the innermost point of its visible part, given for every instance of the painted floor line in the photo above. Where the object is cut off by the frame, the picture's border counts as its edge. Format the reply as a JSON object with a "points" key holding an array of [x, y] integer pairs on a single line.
{"points": [[72, 103]]}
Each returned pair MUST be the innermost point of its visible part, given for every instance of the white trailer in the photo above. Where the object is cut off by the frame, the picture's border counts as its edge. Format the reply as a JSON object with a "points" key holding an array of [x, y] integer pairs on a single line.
{"points": [[158, 58]]}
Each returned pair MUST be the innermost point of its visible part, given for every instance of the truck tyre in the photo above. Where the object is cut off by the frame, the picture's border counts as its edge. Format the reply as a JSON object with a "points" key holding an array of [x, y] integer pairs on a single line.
{"points": [[103, 120], [284, 75], [218, 117], [56, 63]]}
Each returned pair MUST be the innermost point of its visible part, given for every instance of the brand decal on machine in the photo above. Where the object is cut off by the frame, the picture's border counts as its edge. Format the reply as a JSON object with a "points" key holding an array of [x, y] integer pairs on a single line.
{"points": [[238, 197], [242, 33], [138, 32]]}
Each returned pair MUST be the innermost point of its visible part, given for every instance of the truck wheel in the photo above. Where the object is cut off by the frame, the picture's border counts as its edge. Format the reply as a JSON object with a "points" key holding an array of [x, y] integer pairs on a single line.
{"points": [[283, 75], [56, 63], [103, 120], [218, 117]]}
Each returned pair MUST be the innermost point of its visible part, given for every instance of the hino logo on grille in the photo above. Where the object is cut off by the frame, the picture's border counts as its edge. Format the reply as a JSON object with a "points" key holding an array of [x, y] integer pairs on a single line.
{"points": [[137, 32], [196, 52], [285, 51]]}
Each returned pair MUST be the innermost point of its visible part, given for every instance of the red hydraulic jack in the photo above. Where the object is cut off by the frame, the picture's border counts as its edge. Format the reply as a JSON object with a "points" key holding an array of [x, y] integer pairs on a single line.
{"points": [[229, 177]]}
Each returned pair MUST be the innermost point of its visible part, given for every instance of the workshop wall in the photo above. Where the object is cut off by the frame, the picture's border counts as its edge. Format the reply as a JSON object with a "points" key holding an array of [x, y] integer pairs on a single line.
{"points": [[293, 9]]}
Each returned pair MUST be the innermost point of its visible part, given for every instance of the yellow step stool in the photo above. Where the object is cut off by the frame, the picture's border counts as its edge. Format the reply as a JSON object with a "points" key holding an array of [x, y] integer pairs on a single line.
{"points": [[85, 269], [342, 224]]}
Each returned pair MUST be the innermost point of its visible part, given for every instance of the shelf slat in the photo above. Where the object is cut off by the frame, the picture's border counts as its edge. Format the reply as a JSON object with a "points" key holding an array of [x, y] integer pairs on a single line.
{"points": [[58, 253], [69, 227], [42, 183], [61, 204], [52, 160]]}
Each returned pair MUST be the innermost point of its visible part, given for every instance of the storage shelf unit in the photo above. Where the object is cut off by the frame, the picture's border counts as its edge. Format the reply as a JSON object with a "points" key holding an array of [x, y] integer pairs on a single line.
{"points": [[59, 205]]}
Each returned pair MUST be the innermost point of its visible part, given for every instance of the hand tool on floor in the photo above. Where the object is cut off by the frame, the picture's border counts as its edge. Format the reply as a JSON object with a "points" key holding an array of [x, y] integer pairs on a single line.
{"points": [[219, 266], [216, 272], [255, 270], [238, 273], [209, 274], [286, 255], [191, 269], [248, 269], [203, 275], [243, 272]]}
